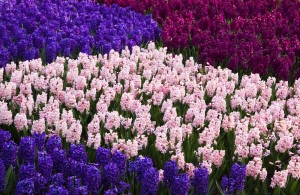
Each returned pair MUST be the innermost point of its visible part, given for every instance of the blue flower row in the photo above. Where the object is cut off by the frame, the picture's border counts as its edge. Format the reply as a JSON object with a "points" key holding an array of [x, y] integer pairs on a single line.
{"points": [[38, 28], [44, 167]]}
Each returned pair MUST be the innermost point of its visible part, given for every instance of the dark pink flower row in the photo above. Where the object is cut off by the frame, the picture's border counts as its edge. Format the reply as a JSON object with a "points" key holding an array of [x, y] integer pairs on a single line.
{"points": [[258, 35]]}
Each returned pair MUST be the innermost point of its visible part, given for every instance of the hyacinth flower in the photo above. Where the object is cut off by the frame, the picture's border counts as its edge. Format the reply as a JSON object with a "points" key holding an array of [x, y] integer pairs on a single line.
{"points": [[236, 181], [201, 180], [92, 29]]}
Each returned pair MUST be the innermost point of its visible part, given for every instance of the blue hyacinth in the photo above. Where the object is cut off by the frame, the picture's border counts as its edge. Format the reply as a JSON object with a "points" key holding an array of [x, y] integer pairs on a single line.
{"points": [[27, 149], [110, 175], [77, 153], [200, 181], [236, 181], [181, 185], [150, 182], [103, 156], [170, 172], [25, 187], [2, 175], [120, 159]]}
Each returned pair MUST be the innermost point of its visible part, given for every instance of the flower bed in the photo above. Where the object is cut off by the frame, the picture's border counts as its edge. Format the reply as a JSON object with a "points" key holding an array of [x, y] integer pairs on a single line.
{"points": [[150, 103], [260, 36], [34, 29], [38, 166]]}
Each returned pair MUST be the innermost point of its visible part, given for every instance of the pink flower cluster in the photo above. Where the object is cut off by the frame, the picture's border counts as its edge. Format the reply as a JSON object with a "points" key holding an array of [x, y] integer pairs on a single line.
{"points": [[111, 98]]}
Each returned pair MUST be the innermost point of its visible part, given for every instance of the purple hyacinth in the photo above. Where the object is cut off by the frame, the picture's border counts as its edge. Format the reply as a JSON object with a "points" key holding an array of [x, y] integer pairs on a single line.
{"points": [[75, 168], [9, 153], [39, 139], [120, 159], [150, 182], [200, 181], [40, 184], [237, 177], [2, 175], [140, 165], [122, 187], [52, 143], [236, 181], [59, 158], [27, 171], [25, 187], [57, 179], [110, 192], [103, 156], [27, 149], [181, 185], [45, 164], [4, 137], [110, 175], [57, 190], [92, 178], [74, 186], [170, 172], [77, 153]]}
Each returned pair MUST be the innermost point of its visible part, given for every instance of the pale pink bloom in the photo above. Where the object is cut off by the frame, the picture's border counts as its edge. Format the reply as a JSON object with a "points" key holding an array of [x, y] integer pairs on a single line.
{"points": [[6, 117], [74, 133], [61, 126], [20, 122], [112, 120], [256, 150], [70, 100], [94, 125], [253, 167], [67, 116], [217, 157], [71, 75], [161, 143], [10, 67], [56, 85], [279, 179], [263, 174], [90, 95], [285, 143], [83, 105], [38, 126], [94, 140], [294, 167], [110, 137], [16, 77], [80, 82], [1, 74], [25, 89]]}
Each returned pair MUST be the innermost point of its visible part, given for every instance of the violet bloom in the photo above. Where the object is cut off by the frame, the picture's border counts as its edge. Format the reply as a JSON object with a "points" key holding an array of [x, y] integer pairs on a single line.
{"points": [[27, 171], [236, 181], [170, 172], [27, 149], [140, 165], [45, 164], [110, 175], [103, 156], [92, 178], [200, 181], [57, 190], [120, 159], [181, 185], [53, 143], [4, 137], [39, 139], [150, 182], [25, 187], [9, 153], [77, 153], [2, 176], [40, 184]]}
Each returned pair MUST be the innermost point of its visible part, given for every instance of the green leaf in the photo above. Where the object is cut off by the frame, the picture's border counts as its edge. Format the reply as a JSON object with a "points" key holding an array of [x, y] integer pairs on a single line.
{"points": [[293, 187], [219, 188]]}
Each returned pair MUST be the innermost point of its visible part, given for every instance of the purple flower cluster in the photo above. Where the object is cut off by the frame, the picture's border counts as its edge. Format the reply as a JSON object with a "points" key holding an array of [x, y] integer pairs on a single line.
{"points": [[146, 173], [30, 29], [261, 36], [57, 171], [236, 181]]}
